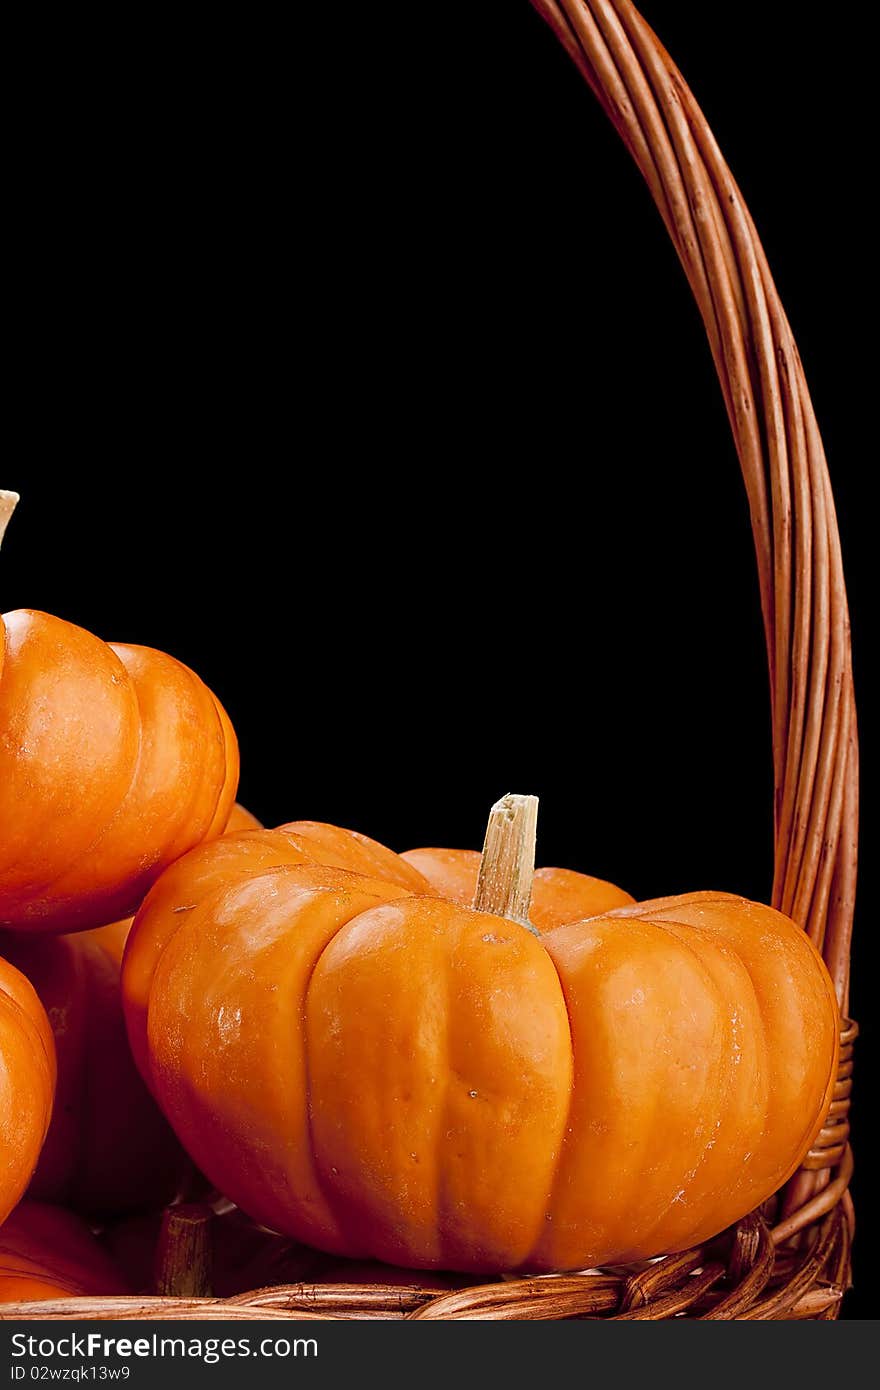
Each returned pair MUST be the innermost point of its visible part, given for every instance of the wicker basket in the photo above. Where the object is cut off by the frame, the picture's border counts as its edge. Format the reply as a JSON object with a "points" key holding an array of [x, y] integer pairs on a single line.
{"points": [[791, 1259]]}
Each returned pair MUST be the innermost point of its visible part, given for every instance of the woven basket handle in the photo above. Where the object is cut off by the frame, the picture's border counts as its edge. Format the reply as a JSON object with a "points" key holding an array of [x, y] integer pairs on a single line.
{"points": [[803, 596]]}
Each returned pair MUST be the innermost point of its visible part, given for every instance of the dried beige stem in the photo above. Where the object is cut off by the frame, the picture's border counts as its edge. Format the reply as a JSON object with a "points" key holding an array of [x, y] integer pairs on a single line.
{"points": [[8, 503], [504, 886]]}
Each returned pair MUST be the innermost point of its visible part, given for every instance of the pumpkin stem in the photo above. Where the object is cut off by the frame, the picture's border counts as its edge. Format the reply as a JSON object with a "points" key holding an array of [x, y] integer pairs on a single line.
{"points": [[504, 885], [8, 502], [183, 1252]]}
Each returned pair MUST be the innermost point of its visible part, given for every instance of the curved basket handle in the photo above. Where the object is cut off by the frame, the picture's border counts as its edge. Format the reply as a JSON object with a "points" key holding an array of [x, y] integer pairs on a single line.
{"points": [[803, 596]]}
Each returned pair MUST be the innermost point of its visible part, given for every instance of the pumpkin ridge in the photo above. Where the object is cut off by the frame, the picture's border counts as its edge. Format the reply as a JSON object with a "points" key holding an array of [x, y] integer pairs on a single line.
{"points": [[699, 1232], [35, 1034], [627, 1199], [24, 1020], [35, 628], [534, 1259], [197, 686], [369, 844], [218, 889], [441, 1200], [108, 823], [803, 940], [762, 1022], [301, 836], [318, 882], [330, 1196], [217, 823], [681, 936], [107, 904], [531, 1261], [136, 1007], [699, 1229], [574, 1071], [529, 940], [645, 910], [353, 1251], [644, 1233], [194, 790]]}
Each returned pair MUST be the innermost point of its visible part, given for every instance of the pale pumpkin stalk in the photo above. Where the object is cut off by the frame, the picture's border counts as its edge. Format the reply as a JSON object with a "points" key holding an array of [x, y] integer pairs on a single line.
{"points": [[507, 866], [8, 503], [183, 1252]]}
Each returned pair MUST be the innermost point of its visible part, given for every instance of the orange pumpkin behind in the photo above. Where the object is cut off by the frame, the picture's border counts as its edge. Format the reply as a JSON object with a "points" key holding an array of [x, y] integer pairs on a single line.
{"points": [[48, 1253], [109, 1149]]}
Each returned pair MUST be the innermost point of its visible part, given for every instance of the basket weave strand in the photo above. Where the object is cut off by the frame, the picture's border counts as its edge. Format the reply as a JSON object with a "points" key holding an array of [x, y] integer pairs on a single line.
{"points": [[791, 1260]]}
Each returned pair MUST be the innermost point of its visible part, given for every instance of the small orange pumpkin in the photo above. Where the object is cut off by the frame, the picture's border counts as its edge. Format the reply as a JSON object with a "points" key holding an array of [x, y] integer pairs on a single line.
{"points": [[109, 1149], [46, 1252], [27, 1083], [375, 1070], [114, 760]]}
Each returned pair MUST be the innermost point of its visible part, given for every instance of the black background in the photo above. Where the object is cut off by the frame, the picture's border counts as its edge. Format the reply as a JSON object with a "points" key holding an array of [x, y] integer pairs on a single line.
{"points": [[357, 371]]}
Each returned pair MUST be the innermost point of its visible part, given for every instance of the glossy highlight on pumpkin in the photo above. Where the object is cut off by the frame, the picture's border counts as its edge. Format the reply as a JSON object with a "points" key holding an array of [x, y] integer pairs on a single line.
{"points": [[114, 761], [380, 1072]]}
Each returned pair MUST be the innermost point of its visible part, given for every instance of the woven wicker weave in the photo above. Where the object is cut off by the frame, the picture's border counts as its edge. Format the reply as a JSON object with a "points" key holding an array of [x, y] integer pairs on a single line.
{"points": [[791, 1260]]}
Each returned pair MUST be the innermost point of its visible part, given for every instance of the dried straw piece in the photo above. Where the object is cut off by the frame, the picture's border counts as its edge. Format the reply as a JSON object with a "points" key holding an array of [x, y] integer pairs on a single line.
{"points": [[581, 1296], [750, 1269], [126, 1309], [671, 1305], [643, 1288], [345, 1300], [833, 1231]]}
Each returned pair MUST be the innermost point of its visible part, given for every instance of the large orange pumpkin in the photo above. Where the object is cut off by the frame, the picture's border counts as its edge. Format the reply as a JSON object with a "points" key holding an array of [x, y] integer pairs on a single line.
{"points": [[27, 1083], [46, 1252], [114, 760], [109, 1149], [378, 1071]]}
